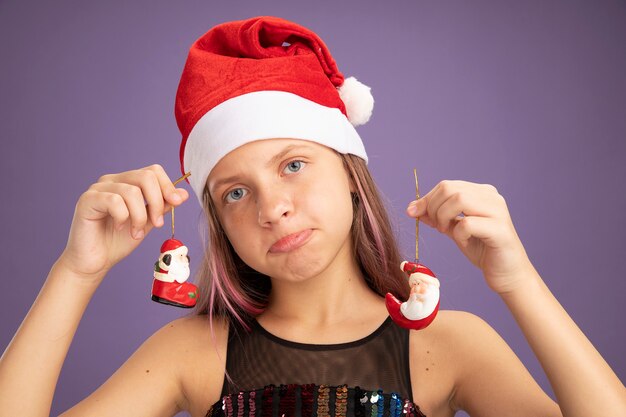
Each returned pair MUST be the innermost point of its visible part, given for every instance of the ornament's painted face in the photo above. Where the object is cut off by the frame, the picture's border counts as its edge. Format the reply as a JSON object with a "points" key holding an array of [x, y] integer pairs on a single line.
{"points": [[286, 207], [176, 263]]}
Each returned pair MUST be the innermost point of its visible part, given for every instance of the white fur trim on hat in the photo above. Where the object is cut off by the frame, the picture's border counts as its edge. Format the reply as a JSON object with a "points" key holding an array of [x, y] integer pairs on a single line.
{"points": [[264, 115]]}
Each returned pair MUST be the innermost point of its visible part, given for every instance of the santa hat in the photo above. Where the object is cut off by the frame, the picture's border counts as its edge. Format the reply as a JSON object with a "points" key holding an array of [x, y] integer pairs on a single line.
{"points": [[170, 245], [263, 78]]}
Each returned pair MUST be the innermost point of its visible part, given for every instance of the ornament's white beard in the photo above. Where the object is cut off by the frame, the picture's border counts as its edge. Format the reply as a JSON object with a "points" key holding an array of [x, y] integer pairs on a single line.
{"points": [[420, 306], [178, 271]]}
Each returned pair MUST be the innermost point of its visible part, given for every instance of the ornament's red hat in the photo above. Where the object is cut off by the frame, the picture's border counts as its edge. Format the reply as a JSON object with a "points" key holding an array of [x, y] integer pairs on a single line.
{"points": [[263, 78], [171, 244]]}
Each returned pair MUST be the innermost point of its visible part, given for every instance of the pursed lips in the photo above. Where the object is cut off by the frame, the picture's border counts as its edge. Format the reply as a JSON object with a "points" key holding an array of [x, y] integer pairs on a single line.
{"points": [[291, 242]]}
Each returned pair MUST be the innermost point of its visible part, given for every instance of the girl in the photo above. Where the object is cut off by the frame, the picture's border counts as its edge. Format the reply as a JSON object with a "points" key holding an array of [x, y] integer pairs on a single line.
{"points": [[292, 319]]}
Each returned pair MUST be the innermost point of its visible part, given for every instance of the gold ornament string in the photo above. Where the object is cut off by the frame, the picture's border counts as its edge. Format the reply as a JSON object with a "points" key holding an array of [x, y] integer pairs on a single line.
{"points": [[176, 182], [417, 222]]}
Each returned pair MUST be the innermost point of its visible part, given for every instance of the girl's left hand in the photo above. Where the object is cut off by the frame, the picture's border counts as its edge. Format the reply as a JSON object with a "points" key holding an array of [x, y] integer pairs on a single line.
{"points": [[477, 218]]}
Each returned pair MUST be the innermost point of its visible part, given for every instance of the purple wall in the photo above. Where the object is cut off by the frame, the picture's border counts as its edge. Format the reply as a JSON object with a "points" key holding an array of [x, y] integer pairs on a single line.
{"points": [[527, 96]]}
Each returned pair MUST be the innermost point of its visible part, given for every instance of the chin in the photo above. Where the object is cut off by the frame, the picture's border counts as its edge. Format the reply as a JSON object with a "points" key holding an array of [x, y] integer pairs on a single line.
{"points": [[299, 271], [299, 267]]}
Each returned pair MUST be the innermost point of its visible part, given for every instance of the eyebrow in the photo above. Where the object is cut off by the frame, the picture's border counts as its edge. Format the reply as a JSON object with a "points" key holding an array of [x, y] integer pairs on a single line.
{"points": [[280, 155], [223, 181]]}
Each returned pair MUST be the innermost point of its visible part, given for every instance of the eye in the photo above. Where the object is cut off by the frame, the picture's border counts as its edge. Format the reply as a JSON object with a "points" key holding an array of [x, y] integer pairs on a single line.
{"points": [[295, 166], [235, 195]]}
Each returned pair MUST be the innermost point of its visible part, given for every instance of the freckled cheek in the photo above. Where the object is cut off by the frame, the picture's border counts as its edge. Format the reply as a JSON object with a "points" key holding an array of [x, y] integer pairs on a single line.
{"points": [[325, 202], [241, 233], [231, 226]]}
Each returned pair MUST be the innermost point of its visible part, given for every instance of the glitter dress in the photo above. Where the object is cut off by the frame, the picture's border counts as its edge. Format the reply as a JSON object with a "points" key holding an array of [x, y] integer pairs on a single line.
{"points": [[273, 377]]}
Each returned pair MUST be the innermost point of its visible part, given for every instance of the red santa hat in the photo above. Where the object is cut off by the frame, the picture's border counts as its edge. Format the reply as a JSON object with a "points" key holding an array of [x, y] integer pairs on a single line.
{"points": [[263, 78], [170, 245]]}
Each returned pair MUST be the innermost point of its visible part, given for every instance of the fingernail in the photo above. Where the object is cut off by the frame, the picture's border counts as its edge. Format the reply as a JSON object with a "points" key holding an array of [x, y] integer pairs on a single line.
{"points": [[138, 234], [159, 221]]}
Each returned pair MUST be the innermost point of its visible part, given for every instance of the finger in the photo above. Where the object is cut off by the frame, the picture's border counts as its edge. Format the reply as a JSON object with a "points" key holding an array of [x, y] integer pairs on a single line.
{"points": [[97, 205], [439, 195], [424, 209], [486, 229], [451, 198], [152, 191], [428, 204], [463, 203], [416, 209], [184, 196], [157, 189], [171, 194], [133, 198], [449, 210]]}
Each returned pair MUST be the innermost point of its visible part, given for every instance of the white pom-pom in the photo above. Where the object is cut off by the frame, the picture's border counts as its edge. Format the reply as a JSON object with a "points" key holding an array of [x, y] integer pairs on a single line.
{"points": [[358, 100]]}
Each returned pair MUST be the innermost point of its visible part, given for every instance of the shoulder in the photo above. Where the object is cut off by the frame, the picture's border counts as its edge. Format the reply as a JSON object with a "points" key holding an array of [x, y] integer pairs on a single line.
{"points": [[461, 326], [205, 353], [179, 367], [198, 353], [453, 329], [193, 331], [454, 320], [466, 339], [480, 373], [461, 339], [439, 356]]}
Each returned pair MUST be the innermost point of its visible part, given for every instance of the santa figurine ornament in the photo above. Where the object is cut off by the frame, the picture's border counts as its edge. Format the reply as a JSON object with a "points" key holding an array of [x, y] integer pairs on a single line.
{"points": [[171, 271], [423, 304]]}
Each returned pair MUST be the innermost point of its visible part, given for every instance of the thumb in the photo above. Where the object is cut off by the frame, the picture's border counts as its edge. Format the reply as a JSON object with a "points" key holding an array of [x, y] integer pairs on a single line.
{"points": [[416, 208]]}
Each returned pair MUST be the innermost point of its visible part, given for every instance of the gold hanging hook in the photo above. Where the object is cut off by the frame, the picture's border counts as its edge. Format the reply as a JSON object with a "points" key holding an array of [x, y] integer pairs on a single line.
{"points": [[176, 182], [417, 222]]}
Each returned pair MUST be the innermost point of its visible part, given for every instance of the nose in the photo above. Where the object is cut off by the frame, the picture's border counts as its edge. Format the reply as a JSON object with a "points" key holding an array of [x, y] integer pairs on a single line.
{"points": [[273, 205]]}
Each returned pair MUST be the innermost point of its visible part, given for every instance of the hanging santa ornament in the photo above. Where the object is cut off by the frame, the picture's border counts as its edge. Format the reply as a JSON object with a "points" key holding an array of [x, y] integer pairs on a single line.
{"points": [[423, 303], [171, 271]]}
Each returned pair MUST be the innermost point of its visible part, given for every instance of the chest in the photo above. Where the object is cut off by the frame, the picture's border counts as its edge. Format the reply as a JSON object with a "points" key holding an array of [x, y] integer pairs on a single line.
{"points": [[426, 371]]}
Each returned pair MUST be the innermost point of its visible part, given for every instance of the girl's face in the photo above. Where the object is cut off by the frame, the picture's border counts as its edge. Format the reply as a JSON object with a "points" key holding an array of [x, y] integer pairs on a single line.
{"points": [[286, 207]]}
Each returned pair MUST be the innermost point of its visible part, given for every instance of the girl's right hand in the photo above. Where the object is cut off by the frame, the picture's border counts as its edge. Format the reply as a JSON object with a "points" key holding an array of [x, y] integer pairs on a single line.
{"points": [[111, 218]]}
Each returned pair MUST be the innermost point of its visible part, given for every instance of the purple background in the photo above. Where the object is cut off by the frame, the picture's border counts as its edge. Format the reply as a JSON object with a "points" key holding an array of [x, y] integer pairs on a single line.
{"points": [[527, 96]]}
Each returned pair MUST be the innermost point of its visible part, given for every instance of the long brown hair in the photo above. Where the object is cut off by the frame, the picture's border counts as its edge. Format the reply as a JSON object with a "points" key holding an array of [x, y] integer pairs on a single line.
{"points": [[231, 289]]}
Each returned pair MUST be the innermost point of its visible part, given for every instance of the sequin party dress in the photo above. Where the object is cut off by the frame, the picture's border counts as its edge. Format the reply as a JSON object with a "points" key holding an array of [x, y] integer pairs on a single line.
{"points": [[273, 377]]}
